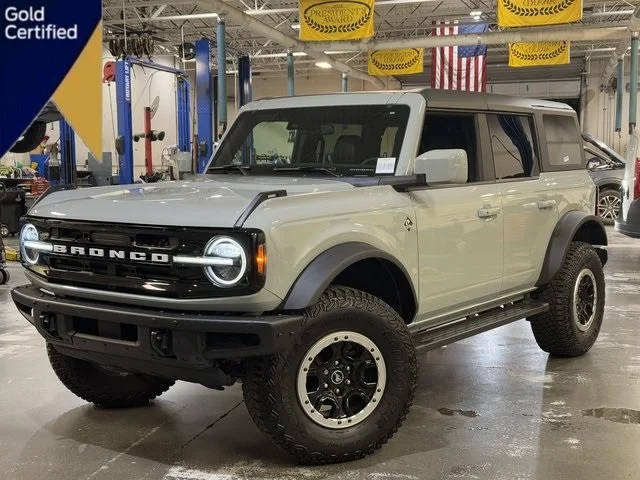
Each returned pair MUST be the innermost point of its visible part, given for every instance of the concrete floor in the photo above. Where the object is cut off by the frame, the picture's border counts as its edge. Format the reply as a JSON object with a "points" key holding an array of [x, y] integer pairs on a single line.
{"points": [[490, 407]]}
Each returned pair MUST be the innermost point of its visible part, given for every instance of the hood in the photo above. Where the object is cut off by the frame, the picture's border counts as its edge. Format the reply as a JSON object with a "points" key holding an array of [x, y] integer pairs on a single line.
{"points": [[207, 201]]}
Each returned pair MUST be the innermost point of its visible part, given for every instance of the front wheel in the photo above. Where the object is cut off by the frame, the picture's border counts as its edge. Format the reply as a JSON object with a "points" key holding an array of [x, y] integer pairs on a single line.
{"points": [[104, 386], [343, 387], [576, 304]]}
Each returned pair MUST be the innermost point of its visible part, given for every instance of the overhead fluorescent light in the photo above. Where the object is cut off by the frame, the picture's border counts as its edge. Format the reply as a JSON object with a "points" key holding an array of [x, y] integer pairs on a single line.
{"points": [[295, 26], [476, 14], [323, 65]]}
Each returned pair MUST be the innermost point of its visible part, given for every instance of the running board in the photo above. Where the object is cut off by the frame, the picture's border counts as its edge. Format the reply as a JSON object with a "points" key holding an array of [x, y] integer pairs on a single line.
{"points": [[440, 335]]}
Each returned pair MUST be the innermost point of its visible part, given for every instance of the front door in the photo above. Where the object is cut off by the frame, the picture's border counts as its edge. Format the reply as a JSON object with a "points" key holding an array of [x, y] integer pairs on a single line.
{"points": [[459, 226]]}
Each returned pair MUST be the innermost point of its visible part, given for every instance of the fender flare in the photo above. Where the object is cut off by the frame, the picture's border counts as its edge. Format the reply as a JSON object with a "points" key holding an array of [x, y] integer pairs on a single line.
{"points": [[564, 233], [324, 268]]}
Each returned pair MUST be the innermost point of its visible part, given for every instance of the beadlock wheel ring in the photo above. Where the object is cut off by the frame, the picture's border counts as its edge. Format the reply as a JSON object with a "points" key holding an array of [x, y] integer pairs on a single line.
{"points": [[585, 299], [340, 375]]}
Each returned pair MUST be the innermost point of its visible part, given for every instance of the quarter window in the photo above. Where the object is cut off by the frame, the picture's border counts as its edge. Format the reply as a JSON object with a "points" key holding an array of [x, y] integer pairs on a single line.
{"points": [[514, 152], [563, 142]]}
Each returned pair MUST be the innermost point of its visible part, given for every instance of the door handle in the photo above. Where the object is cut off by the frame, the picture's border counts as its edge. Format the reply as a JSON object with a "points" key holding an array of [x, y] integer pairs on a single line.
{"points": [[543, 204], [489, 212]]}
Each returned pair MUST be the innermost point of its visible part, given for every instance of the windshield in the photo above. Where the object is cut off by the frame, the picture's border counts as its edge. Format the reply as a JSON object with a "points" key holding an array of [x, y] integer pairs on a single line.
{"points": [[345, 140]]}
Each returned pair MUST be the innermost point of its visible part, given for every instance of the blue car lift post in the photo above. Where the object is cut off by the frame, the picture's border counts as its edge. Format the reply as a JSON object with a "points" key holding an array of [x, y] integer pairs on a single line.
{"points": [[123, 103], [204, 102], [67, 154]]}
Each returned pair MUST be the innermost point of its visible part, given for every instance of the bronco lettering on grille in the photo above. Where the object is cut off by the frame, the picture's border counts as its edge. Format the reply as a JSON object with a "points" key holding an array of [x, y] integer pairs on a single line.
{"points": [[96, 252]]}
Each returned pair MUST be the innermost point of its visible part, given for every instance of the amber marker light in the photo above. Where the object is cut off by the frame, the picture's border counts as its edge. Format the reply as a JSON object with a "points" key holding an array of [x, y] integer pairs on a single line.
{"points": [[261, 259]]}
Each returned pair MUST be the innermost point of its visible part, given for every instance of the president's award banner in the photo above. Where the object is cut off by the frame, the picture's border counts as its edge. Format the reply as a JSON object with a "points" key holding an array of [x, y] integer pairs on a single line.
{"points": [[526, 13], [322, 20], [535, 54]]}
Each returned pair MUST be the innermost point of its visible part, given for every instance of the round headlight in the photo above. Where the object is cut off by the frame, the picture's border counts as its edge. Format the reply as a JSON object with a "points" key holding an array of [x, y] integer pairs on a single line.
{"points": [[29, 233], [233, 261]]}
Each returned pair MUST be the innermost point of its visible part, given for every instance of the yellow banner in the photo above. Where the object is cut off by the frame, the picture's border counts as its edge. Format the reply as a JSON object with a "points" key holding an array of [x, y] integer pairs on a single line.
{"points": [[525, 13], [403, 61], [533, 54], [322, 20]]}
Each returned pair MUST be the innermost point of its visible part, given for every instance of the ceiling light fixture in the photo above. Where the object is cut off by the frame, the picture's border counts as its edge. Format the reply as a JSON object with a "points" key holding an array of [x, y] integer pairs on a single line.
{"points": [[323, 65], [295, 26], [476, 14]]}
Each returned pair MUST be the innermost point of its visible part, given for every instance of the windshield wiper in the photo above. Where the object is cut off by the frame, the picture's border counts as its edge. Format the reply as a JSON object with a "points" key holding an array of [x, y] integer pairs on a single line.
{"points": [[233, 166], [308, 168]]}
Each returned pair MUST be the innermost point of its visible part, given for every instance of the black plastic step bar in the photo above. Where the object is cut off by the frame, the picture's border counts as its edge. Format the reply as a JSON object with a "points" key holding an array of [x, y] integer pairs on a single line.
{"points": [[440, 335]]}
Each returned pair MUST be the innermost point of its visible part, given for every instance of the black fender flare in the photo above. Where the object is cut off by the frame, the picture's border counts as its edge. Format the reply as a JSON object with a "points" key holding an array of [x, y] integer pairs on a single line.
{"points": [[324, 268], [590, 229]]}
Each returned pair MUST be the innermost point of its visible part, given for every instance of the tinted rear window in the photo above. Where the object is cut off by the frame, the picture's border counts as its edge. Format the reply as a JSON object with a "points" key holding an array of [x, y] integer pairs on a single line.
{"points": [[564, 143]]}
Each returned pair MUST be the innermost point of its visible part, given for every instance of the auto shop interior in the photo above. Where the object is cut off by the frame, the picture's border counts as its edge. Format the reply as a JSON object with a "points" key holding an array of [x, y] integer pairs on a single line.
{"points": [[487, 402]]}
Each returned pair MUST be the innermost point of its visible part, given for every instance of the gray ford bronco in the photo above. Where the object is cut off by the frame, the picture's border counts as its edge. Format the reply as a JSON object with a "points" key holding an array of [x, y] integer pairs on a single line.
{"points": [[331, 237]]}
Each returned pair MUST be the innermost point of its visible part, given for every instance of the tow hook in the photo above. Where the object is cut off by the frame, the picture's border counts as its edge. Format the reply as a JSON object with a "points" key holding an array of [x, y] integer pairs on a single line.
{"points": [[48, 322], [161, 342]]}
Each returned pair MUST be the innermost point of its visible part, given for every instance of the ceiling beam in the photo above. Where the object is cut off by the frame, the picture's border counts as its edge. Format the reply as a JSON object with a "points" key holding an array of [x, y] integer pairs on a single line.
{"points": [[531, 34], [226, 11]]}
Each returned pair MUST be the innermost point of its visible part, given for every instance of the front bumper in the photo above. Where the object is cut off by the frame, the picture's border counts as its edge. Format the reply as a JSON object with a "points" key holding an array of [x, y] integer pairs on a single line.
{"points": [[185, 346], [630, 226]]}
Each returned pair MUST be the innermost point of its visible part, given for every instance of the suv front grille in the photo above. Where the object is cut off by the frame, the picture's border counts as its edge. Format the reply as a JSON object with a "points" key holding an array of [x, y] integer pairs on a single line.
{"points": [[139, 277]]}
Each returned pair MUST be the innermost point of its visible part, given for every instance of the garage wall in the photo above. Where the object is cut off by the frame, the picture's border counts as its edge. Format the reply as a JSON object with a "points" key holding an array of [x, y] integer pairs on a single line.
{"points": [[599, 116]]}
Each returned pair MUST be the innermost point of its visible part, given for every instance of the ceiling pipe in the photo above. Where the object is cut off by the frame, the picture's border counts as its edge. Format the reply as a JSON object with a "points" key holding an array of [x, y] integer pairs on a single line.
{"points": [[238, 16], [531, 34], [621, 47]]}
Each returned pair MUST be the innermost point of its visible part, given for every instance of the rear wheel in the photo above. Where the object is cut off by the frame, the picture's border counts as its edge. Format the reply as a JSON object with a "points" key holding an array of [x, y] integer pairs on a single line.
{"points": [[609, 205], [105, 386], [4, 276], [576, 297], [343, 387]]}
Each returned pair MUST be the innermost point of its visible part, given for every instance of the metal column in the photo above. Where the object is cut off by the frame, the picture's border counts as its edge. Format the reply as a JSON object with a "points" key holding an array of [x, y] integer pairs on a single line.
{"points": [[222, 79], [244, 81], [124, 142], [633, 83], [619, 92], [67, 154], [204, 99], [345, 83], [291, 73], [183, 114]]}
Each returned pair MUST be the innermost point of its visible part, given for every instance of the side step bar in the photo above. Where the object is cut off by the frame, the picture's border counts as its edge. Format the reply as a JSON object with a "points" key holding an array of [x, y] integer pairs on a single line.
{"points": [[440, 335]]}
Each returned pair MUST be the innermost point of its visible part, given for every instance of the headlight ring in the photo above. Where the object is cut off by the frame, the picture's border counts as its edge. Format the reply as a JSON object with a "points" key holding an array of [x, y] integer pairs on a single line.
{"points": [[29, 233], [227, 274]]}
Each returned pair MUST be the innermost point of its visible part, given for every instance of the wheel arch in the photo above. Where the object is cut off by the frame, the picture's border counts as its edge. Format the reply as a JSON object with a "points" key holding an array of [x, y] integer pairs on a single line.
{"points": [[357, 265], [572, 226]]}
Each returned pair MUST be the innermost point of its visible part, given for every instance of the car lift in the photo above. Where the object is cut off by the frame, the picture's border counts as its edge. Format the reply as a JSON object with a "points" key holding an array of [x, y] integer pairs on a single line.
{"points": [[124, 142]]}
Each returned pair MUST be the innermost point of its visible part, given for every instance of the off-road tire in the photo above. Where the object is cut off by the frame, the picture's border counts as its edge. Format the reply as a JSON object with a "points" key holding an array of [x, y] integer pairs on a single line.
{"points": [[4, 276], [270, 391], [556, 331], [96, 385]]}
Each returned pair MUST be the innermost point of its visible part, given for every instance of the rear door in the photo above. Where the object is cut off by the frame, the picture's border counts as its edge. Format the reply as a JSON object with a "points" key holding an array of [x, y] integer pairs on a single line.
{"points": [[529, 209]]}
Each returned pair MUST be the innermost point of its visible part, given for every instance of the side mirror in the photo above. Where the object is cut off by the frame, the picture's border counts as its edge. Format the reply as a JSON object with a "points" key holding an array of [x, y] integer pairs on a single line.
{"points": [[443, 166]]}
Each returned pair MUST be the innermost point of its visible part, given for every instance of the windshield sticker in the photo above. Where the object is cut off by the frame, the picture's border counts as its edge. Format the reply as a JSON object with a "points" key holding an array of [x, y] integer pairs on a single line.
{"points": [[386, 165]]}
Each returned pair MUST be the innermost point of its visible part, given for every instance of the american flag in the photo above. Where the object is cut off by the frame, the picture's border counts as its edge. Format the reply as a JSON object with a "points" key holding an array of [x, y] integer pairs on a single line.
{"points": [[459, 68]]}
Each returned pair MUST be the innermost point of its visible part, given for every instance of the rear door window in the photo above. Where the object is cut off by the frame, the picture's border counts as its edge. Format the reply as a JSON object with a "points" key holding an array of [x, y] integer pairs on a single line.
{"points": [[513, 146], [564, 144]]}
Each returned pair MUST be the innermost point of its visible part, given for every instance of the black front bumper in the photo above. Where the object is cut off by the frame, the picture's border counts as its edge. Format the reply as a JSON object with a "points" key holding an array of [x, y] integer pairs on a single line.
{"points": [[630, 226], [184, 346]]}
